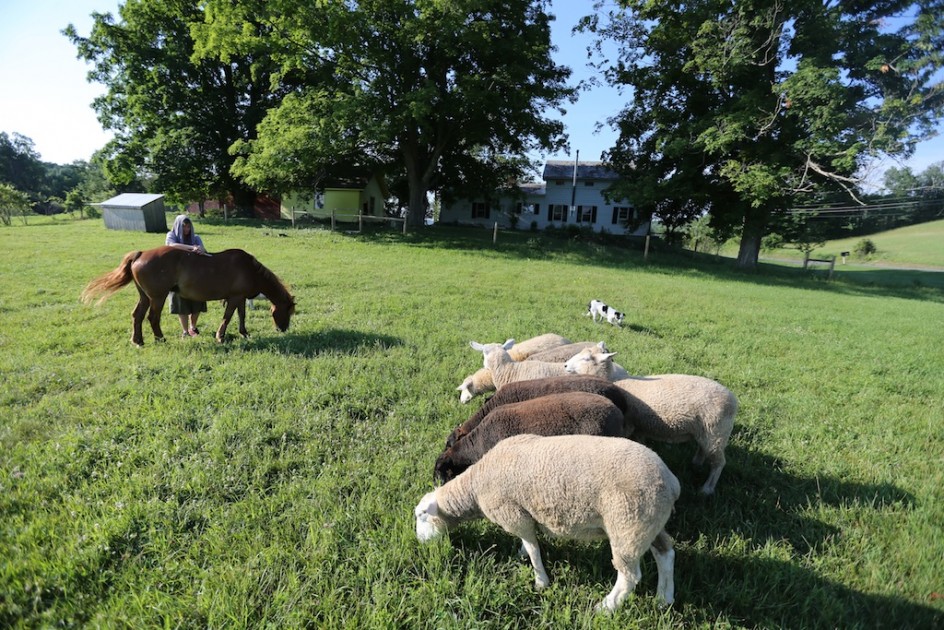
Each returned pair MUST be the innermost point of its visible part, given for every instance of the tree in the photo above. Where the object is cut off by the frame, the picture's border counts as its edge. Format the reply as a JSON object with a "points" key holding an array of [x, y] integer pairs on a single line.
{"points": [[20, 165], [411, 84], [13, 201], [745, 106], [175, 115]]}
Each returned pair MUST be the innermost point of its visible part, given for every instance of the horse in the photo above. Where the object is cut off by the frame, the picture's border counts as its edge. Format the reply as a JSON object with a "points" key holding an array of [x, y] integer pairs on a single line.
{"points": [[231, 275]]}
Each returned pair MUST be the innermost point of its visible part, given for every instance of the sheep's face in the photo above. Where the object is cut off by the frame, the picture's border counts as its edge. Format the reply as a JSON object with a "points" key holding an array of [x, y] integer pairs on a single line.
{"points": [[465, 390], [494, 354], [428, 525], [594, 360]]}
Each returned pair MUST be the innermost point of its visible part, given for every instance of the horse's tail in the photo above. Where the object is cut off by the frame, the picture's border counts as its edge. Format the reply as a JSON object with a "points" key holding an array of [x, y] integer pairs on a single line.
{"points": [[112, 281]]}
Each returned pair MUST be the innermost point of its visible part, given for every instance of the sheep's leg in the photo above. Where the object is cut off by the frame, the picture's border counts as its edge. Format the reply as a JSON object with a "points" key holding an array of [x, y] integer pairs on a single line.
{"points": [[531, 548], [699, 457], [664, 553], [626, 580], [717, 461]]}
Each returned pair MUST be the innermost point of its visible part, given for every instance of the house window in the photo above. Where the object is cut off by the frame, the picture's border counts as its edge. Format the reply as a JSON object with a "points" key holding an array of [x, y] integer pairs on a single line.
{"points": [[527, 208], [622, 214], [586, 214], [480, 210], [589, 182], [556, 212], [560, 182]]}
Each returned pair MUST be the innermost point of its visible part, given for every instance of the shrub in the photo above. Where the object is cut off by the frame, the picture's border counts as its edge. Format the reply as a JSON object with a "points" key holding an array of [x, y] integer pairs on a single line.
{"points": [[865, 247]]}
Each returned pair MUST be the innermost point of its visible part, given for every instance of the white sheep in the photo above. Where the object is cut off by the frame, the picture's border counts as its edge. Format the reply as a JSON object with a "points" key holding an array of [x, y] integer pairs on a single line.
{"points": [[573, 486], [597, 360], [481, 381], [505, 370], [672, 408], [682, 407]]}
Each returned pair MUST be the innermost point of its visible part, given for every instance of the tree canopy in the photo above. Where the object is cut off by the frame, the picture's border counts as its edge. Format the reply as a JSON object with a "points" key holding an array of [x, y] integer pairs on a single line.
{"points": [[743, 108], [175, 115], [411, 84]]}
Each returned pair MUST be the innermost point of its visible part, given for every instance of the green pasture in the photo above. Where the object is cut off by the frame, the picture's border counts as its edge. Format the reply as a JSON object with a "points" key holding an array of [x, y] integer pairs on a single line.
{"points": [[270, 482]]}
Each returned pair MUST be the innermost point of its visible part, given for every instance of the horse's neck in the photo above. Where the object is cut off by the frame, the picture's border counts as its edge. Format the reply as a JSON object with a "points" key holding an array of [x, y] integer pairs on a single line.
{"points": [[272, 288]]}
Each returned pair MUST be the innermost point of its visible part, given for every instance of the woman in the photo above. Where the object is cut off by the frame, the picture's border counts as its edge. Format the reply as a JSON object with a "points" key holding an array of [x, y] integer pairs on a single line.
{"points": [[182, 237]]}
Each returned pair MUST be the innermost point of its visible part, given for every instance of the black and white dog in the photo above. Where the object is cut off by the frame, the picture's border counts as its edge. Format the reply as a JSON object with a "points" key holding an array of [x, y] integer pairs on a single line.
{"points": [[596, 307]]}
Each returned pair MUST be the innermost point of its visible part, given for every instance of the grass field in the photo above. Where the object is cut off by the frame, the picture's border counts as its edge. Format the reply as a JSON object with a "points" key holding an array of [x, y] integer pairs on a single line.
{"points": [[270, 482]]}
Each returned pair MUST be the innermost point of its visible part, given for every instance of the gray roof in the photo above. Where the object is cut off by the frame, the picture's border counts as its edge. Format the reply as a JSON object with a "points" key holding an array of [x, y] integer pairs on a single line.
{"points": [[130, 200], [564, 169]]}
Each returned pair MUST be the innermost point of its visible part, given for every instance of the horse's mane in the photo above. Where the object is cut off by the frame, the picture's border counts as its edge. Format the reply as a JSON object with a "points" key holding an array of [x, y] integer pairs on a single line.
{"points": [[270, 278]]}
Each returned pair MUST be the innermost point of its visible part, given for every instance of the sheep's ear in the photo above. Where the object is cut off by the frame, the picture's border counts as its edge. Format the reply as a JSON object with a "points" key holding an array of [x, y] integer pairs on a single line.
{"points": [[508, 344], [608, 355], [475, 345], [602, 346]]}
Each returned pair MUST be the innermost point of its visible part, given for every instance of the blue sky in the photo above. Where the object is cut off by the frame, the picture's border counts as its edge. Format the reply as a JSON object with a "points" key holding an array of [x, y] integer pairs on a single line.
{"points": [[44, 94]]}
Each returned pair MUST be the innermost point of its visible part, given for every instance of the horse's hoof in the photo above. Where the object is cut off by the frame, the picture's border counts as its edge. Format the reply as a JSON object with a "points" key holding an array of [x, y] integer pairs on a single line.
{"points": [[137, 344], [221, 340], [160, 339]]}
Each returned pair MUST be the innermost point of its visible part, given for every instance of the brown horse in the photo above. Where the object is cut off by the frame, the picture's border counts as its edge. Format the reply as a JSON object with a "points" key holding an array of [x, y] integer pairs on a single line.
{"points": [[231, 275]]}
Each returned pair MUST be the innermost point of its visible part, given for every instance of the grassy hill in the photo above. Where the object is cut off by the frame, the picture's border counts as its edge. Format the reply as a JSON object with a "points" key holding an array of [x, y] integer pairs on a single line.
{"points": [[911, 246]]}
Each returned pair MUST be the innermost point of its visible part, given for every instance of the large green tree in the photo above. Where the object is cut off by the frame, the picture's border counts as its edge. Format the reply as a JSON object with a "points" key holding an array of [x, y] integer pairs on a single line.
{"points": [[744, 107], [175, 116], [419, 85]]}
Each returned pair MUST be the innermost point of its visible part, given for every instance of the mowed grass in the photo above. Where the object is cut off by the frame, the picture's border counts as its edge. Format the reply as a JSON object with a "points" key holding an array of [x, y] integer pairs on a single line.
{"points": [[271, 482]]}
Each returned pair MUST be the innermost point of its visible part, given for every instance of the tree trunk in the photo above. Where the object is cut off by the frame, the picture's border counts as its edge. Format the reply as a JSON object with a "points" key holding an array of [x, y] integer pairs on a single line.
{"points": [[749, 251], [418, 189]]}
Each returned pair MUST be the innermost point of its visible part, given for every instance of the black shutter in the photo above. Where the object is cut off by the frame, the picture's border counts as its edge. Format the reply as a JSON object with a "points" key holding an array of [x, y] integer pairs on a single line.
{"points": [[593, 214], [550, 212], [615, 214], [488, 210]]}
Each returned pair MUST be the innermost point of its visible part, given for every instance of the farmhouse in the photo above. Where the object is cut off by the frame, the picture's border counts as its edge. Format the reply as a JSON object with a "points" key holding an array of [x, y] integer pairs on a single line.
{"points": [[358, 192], [571, 194]]}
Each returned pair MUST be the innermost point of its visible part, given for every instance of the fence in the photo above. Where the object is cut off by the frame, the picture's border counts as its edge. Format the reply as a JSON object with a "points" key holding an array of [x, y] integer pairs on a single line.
{"points": [[335, 215], [831, 261]]}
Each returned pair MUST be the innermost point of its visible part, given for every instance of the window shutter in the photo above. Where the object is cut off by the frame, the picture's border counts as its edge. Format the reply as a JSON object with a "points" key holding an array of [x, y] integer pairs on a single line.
{"points": [[550, 212], [593, 214], [615, 215]]}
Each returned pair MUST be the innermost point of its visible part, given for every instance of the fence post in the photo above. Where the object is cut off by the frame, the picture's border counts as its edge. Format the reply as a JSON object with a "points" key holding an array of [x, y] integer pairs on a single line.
{"points": [[332, 220], [404, 225], [360, 222], [293, 217], [806, 259], [495, 233], [645, 254], [832, 265]]}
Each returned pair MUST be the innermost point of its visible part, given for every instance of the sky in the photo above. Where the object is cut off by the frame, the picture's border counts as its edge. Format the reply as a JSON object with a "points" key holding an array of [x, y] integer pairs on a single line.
{"points": [[44, 94]]}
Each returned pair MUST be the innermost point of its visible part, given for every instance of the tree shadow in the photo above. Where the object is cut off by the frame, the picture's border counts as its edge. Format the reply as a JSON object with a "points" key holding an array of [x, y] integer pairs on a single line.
{"points": [[613, 251], [310, 345]]}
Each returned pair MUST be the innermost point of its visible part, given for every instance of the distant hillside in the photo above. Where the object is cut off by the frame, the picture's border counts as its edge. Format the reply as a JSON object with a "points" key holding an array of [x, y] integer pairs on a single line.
{"points": [[919, 245]]}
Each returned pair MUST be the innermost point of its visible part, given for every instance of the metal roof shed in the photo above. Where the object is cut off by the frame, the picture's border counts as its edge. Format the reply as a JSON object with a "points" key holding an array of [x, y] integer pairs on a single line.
{"points": [[135, 211]]}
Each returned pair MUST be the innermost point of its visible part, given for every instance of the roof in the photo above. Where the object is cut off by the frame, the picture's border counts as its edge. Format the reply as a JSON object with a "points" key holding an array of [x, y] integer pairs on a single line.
{"points": [[130, 200], [564, 169]]}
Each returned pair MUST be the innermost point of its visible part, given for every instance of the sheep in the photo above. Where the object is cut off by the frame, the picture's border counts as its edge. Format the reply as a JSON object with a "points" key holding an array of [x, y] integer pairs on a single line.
{"points": [[526, 390], [573, 486], [555, 414], [504, 370], [593, 360], [481, 381], [682, 407]]}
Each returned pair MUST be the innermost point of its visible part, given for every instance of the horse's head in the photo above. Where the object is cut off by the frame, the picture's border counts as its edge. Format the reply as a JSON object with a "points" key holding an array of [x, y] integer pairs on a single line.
{"points": [[282, 313]]}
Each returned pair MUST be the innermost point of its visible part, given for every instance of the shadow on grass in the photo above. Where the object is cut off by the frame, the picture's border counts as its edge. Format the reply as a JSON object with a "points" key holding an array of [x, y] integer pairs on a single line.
{"points": [[756, 502], [612, 251], [312, 344]]}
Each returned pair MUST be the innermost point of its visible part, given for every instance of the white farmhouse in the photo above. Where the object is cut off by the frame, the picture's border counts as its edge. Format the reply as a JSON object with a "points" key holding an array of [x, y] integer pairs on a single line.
{"points": [[571, 194]]}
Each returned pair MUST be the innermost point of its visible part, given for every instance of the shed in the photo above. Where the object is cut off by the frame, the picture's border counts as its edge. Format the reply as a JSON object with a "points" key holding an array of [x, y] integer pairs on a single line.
{"points": [[135, 211]]}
